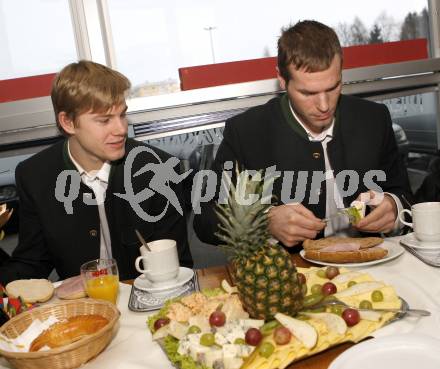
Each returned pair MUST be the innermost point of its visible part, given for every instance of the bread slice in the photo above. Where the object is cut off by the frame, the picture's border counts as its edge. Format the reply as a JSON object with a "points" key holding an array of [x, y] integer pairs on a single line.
{"points": [[31, 290], [367, 249], [364, 243]]}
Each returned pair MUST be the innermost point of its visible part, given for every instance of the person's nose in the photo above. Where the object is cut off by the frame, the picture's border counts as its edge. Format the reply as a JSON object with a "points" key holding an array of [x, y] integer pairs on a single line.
{"points": [[323, 102], [120, 126]]}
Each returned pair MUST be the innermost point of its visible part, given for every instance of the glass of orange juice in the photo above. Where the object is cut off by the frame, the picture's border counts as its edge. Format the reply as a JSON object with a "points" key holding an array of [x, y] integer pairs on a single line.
{"points": [[101, 279]]}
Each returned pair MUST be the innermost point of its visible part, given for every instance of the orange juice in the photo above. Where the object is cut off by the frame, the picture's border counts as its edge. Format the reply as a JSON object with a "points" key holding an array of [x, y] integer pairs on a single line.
{"points": [[105, 287]]}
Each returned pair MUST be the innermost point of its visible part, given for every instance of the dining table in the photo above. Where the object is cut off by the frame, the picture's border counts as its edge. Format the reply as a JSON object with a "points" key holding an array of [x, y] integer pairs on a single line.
{"points": [[418, 283]]}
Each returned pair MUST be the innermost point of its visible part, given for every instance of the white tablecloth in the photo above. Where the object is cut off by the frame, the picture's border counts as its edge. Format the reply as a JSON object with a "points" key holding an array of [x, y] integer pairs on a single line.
{"points": [[416, 282]]}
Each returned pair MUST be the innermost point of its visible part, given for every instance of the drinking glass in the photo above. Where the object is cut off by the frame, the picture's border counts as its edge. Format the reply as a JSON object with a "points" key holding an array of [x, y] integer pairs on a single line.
{"points": [[101, 279]]}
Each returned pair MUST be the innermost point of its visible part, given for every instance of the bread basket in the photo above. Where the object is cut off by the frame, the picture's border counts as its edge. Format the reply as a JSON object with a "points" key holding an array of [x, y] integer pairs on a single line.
{"points": [[69, 356]]}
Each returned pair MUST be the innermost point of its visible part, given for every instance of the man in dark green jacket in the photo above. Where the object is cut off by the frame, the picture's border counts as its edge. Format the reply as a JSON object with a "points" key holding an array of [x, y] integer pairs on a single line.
{"points": [[315, 137]]}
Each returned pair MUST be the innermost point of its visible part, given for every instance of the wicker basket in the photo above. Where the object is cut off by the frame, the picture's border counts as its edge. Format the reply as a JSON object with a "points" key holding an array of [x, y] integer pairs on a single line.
{"points": [[69, 356]]}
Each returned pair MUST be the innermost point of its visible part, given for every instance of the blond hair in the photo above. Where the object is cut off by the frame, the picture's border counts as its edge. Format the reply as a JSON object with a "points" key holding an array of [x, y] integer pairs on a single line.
{"points": [[87, 86]]}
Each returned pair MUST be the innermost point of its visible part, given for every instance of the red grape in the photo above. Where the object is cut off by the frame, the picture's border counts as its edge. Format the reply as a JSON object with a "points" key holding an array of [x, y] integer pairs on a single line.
{"points": [[328, 288], [159, 323], [331, 272], [217, 318], [301, 278], [351, 317], [282, 335], [253, 336]]}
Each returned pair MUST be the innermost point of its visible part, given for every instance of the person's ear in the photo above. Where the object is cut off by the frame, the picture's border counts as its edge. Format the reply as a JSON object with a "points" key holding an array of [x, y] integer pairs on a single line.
{"points": [[281, 80], [66, 123]]}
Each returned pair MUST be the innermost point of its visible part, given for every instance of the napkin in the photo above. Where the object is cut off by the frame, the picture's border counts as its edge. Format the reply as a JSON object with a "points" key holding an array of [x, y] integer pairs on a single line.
{"points": [[23, 341]]}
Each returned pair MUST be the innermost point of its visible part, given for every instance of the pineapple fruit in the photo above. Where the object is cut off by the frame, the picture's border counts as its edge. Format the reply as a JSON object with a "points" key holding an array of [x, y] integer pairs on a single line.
{"points": [[264, 273]]}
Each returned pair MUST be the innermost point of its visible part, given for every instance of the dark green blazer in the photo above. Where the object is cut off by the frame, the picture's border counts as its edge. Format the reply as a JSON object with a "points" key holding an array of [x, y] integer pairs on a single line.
{"points": [[268, 135], [50, 238]]}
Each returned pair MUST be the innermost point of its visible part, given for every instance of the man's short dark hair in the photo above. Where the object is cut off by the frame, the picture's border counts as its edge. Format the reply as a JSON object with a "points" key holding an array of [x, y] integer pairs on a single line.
{"points": [[308, 45]]}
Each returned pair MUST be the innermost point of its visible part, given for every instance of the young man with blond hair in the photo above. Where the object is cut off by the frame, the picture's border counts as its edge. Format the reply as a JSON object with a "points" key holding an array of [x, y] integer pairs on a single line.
{"points": [[315, 130], [61, 232]]}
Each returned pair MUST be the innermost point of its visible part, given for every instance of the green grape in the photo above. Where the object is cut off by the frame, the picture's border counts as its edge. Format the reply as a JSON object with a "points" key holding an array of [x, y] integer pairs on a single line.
{"points": [[194, 329], [266, 349], [207, 339], [336, 309], [316, 288], [365, 304], [351, 283], [321, 273], [268, 327], [377, 296], [311, 300], [239, 341]]}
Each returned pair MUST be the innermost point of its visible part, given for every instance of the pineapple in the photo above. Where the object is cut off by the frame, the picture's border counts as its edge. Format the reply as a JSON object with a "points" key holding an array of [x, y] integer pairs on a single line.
{"points": [[264, 273]]}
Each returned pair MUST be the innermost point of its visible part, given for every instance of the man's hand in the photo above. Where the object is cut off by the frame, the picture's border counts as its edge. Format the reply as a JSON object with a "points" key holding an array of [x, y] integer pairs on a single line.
{"points": [[293, 223], [382, 217]]}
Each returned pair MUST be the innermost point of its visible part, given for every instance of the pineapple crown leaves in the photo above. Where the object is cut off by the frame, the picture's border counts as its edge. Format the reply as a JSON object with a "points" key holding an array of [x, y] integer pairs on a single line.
{"points": [[243, 218]]}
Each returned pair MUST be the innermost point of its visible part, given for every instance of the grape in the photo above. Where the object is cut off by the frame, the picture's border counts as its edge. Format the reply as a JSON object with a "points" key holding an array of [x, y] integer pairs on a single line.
{"points": [[253, 336], [311, 300], [159, 323], [268, 327], [217, 318], [365, 304], [239, 341], [316, 289], [351, 317], [351, 283], [331, 272], [207, 339], [336, 309], [282, 336], [377, 296], [301, 278], [329, 288], [194, 329], [266, 349], [321, 273]]}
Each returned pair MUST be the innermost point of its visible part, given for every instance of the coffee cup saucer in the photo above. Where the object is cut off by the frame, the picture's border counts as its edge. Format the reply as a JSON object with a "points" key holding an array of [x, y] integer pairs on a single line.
{"points": [[184, 275], [411, 240]]}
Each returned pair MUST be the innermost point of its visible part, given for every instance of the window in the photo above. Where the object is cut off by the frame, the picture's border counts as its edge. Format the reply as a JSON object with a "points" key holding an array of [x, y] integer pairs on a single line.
{"points": [[153, 40], [36, 37]]}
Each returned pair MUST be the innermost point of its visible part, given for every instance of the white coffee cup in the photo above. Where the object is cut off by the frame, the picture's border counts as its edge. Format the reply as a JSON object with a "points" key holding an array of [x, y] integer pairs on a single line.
{"points": [[426, 220], [161, 263]]}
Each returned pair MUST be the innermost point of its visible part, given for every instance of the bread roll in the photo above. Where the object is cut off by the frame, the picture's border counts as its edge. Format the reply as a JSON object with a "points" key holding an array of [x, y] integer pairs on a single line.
{"points": [[30, 290], [69, 331], [344, 249]]}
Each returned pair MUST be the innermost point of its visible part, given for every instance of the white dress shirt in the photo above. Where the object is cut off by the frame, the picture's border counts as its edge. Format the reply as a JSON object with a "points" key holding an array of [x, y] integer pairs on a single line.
{"points": [[97, 181]]}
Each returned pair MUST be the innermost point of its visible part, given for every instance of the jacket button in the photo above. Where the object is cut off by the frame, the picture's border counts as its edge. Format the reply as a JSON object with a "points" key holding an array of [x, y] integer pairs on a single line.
{"points": [[316, 155], [93, 233]]}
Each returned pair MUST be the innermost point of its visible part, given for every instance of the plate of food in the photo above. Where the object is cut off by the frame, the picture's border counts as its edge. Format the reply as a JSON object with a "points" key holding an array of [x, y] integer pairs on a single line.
{"points": [[212, 329], [350, 251]]}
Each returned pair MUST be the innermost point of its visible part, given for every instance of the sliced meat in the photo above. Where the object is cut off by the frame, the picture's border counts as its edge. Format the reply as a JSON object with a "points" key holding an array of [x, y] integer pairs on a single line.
{"points": [[71, 288]]}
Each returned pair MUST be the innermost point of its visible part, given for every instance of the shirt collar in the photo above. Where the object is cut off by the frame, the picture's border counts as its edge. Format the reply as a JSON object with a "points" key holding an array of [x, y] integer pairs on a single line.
{"points": [[313, 136], [102, 174]]}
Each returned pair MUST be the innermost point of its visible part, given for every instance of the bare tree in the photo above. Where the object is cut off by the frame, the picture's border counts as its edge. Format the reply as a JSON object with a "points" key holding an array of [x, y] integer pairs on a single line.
{"points": [[344, 33], [359, 32]]}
